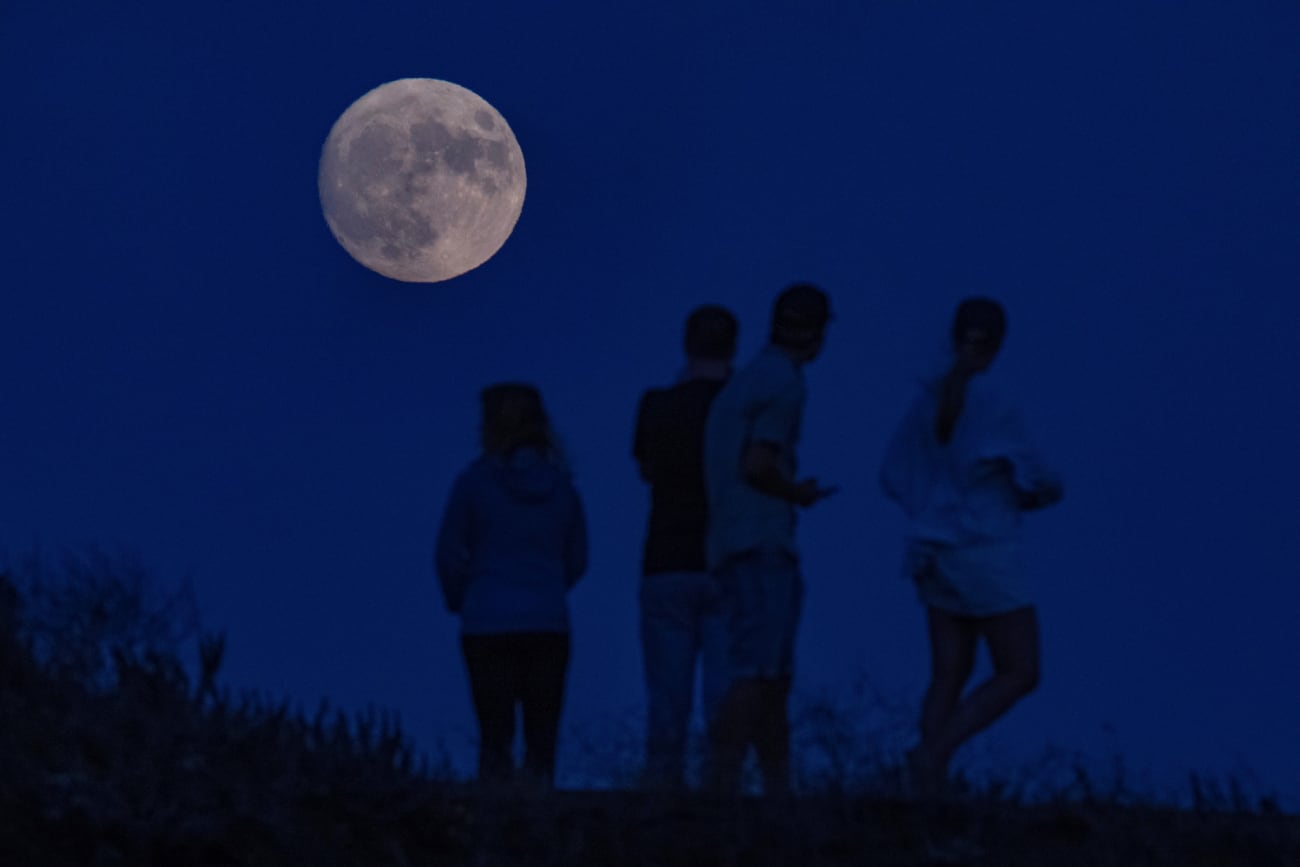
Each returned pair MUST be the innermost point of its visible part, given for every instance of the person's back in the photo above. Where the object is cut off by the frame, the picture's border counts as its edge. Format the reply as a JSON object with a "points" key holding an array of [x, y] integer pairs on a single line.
{"points": [[681, 620], [668, 445], [513, 541], [524, 550]]}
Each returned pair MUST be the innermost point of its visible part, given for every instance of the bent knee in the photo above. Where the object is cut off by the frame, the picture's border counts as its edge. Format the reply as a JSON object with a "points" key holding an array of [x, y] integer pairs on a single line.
{"points": [[1020, 678], [1024, 680], [955, 669]]}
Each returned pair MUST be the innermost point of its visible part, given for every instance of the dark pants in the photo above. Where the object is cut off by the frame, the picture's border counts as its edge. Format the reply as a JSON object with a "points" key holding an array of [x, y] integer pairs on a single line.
{"points": [[681, 624], [526, 669]]}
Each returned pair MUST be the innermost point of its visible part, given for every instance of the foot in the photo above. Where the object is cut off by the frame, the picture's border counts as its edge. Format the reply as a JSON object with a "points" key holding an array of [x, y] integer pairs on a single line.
{"points": [[659, 782], [923, 776]]}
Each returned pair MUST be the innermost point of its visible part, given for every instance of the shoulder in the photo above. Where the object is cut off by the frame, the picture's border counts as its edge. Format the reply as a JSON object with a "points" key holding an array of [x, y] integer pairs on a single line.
{"points": [[652, 397], [770, 373], [474, 472], [687, 400], [665, 400], [657, 404], [776, 364], [989, 395], [783, 374], [469, 480], [652, 411]]}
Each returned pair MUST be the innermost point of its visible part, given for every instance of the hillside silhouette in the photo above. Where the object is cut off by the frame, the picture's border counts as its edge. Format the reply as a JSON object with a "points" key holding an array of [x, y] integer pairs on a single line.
{"points": [[114, 751]]}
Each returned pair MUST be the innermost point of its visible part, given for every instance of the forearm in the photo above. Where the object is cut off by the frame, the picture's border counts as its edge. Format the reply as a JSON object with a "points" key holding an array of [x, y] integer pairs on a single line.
{"points": [[1048, 492], [771, 480], [454, 582]]}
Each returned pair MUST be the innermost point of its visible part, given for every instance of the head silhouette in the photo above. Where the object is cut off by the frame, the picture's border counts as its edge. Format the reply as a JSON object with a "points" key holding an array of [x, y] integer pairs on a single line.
{"points": [[710, 334], [978, 327], [513, 418], [799, 319]]}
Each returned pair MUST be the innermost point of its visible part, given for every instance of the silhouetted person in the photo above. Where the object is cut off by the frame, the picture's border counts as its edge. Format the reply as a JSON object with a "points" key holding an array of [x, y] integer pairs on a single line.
{"points": [[963, 470], [750, 468], [681, 606], [513, 541]]}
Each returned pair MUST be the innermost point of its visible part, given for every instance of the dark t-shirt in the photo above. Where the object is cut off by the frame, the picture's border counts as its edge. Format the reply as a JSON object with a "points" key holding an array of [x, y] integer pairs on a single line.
{"points": [[669, 443]]}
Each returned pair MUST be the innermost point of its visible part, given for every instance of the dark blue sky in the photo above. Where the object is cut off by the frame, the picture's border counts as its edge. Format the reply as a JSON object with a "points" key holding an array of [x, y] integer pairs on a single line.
{"points": [[192, 366]]}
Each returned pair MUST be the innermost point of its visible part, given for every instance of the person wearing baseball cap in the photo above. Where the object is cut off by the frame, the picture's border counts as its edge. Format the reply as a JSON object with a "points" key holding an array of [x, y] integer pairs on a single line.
{"points": [[753, 496]]}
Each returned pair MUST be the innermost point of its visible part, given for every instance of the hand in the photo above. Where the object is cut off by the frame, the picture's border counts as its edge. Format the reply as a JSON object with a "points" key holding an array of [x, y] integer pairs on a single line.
{"points": [[808, 492], [1041, 497]]}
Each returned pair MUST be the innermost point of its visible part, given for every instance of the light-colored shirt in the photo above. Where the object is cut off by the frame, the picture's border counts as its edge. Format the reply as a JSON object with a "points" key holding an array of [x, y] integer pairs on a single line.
{"points": [[968, 490], [964, 499], [763, 402]]}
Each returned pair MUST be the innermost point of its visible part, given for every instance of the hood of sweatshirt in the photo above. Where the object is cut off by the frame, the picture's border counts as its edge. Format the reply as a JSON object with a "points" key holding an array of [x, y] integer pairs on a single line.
{"points": [[526, 475]]}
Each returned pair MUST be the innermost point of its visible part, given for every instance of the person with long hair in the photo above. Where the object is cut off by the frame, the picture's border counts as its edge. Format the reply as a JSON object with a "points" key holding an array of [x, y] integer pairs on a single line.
{"points": [[512, 543], [964, 471]]}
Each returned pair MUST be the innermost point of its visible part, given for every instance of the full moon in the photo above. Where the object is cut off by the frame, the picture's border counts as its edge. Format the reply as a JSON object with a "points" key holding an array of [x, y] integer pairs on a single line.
{"points": [[421, 180]]}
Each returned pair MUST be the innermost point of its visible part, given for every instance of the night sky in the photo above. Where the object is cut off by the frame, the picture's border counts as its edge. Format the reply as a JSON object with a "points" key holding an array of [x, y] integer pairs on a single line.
{"points": [[192, 367]]}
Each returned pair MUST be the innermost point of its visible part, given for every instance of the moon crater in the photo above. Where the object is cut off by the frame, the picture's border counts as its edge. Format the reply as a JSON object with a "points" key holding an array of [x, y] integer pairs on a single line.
{"points": [[421, 180]]}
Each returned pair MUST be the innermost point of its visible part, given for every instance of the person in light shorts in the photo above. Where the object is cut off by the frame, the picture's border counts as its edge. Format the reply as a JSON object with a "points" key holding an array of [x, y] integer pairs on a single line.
{"points": [[963, 470]]}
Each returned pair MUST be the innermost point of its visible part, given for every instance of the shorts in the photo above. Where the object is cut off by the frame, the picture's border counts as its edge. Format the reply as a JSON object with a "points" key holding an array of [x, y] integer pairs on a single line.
{"points": [[969, 580], [762, 594]]}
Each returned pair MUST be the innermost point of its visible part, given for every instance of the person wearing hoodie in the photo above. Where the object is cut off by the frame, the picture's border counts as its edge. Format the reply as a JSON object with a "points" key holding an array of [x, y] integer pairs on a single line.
{"points": [[512, 543], [964, 471]]}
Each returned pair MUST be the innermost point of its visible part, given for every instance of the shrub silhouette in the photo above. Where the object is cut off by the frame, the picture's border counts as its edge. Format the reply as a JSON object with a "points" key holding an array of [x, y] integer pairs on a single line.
{"points": [[109, 752], [112, 752]]}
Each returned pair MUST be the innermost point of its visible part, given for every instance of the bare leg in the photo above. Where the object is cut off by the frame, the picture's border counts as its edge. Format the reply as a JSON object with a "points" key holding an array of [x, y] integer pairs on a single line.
{"points": [[952, 658], [1013, 646], [953, 640], [733, 732], [772, 736]]}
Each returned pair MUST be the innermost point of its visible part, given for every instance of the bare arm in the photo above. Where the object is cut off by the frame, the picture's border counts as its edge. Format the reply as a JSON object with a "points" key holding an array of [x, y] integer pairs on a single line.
{"points": [[1047, 493], [763, 472]]}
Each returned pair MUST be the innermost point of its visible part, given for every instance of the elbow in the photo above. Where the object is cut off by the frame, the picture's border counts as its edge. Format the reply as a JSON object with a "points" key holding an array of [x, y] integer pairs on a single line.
{"points": [[1052, 490], [1040, 498], [453, 594], [448, 567], [754, 478], [758, 464], [889, 486], [454, 574], [1057, 494], [760, 473], [575, 573]]}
